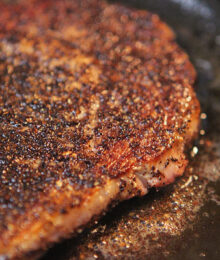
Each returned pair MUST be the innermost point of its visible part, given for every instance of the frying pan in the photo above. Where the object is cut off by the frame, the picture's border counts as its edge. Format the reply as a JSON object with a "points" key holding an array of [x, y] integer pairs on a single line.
{"points": [[181, 221]]}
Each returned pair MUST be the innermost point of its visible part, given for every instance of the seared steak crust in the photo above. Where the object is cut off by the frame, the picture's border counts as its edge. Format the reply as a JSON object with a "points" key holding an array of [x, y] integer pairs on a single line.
{"points": [[96, 102]]}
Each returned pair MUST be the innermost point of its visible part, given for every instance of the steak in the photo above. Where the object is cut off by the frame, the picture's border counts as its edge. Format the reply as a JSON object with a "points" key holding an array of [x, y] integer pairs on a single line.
{"points": [[96, 106]]}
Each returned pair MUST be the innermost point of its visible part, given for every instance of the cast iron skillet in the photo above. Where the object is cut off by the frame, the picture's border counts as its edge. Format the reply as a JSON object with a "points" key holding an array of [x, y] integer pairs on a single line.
{"points": [[181, 221]]}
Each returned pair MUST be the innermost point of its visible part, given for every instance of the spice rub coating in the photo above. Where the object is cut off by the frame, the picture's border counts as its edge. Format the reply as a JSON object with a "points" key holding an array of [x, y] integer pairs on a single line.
{"points": [[91, 96]]}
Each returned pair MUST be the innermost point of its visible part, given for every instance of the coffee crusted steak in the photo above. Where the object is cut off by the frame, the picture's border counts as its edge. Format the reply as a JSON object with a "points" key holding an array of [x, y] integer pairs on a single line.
{"points": [[96, 106]]}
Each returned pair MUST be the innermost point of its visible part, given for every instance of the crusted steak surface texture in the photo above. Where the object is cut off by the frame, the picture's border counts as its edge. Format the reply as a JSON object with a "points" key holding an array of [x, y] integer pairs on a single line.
{"points": [[96, 106]]}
